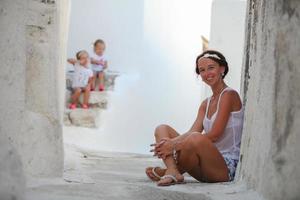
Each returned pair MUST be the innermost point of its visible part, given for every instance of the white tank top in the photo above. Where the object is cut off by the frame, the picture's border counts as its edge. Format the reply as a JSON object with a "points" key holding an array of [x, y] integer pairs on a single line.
{"points": [[230, 141]]}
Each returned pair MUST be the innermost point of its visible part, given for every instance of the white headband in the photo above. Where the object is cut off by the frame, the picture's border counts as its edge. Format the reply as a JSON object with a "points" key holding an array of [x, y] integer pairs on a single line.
{"points": [[207, 55]]}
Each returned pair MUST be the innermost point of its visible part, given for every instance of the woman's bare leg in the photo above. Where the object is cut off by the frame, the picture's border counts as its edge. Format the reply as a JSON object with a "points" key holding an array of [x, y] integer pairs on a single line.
{"points": [[202, 160], [164, 131], [199, 157]]}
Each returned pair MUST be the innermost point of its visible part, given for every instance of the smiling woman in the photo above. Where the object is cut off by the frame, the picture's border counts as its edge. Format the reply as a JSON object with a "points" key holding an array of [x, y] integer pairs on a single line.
{"points": [[209, 151], [213, 56], [32, 77]]}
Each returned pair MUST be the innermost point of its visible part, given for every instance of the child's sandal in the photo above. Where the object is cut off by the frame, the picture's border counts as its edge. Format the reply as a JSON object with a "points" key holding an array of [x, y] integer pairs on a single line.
{"points": [[72, 106], [101, 88], [84, 106]]}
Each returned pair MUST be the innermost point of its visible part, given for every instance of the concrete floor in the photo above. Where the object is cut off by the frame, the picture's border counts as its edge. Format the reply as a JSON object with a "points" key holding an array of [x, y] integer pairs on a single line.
{"points": [[93, 175]]}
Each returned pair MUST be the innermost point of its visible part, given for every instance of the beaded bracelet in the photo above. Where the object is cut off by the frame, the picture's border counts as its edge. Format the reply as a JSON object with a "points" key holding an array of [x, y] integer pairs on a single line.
{"points": [[175, 153]]}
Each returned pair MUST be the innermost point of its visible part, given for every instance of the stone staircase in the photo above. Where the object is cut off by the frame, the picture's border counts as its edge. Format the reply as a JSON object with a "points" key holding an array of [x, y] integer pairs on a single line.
{"points": [[98, 101]]}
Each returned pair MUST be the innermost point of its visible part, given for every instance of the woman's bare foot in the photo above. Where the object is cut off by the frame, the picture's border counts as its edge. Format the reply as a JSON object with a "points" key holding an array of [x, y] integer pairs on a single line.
{"points": [[159, 173], [173, 172]]}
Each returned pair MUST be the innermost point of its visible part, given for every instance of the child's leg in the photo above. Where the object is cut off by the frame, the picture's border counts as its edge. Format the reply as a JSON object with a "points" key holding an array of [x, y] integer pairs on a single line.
{"points": [[101, 79], [86, 95], [93, 81], [76, 95]]}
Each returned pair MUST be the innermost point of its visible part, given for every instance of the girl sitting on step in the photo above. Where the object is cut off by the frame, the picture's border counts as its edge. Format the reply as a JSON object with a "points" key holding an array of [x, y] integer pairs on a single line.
{"points": [[81, 80], [99, 64], [210, 150]]}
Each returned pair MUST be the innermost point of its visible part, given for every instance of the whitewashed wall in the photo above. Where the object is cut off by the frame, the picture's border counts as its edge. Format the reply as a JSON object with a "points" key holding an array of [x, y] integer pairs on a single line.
{"points": [[270, 147], [31, 102]]}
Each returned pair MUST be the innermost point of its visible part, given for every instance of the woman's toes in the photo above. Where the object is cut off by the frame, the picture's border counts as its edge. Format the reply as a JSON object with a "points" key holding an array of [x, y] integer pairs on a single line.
{"points": [[159, 173], [168, 180], [149, 173], [165, 181]]}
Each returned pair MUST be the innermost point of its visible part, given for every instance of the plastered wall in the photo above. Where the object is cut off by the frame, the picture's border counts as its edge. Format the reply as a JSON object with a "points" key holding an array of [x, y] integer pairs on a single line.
{"points": [[271, 79], [32, 49]]}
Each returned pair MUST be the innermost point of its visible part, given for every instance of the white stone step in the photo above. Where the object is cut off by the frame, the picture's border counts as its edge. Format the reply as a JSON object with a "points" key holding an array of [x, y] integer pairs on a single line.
{"points": [[87, 117], [82, 117], [97, 101]]}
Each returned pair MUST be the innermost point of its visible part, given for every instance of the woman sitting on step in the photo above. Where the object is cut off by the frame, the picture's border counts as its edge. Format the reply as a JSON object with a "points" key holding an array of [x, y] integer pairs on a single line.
{"points": [[210, 150]]}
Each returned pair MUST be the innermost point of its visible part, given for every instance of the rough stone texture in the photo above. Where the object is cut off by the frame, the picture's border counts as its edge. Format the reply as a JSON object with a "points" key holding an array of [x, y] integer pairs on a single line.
{"points": [[43, 118], [31, 101], [11, 15], [11, 175], [110, 79], [98, 100], [270, 148], [87, 118], [67, 121], [84, 117], [91, 175]]}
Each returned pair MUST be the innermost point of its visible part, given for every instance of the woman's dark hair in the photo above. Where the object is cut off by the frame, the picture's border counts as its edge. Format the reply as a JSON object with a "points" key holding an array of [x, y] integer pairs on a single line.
{"points": [[215, 56], [99, 41]]}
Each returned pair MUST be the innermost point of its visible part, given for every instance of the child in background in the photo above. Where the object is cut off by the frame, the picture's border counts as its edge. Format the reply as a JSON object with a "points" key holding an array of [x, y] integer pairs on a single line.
{"points": [[99, 63], [81, 80]]}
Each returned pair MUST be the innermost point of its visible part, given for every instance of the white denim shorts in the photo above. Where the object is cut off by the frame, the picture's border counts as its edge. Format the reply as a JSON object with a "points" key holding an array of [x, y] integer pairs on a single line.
{"points": [[231, 165]]}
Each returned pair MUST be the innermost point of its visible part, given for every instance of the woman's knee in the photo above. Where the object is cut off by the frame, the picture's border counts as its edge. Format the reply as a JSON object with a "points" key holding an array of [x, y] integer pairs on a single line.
{"points": [[161, 129], [196, 140]]}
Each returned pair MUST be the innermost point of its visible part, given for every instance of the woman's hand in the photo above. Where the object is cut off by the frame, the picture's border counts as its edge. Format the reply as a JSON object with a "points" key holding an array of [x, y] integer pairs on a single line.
{"points": [[164, 148]]}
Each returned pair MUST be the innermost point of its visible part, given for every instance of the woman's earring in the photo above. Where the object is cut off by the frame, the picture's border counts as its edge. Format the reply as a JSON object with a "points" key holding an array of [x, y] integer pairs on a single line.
{"points": [[222, 74]]}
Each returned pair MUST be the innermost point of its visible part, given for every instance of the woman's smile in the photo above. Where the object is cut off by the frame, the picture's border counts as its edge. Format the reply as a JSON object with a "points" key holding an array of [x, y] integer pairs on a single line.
{"points": [[210, 78]]}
